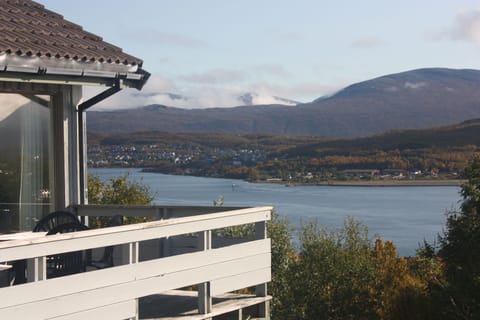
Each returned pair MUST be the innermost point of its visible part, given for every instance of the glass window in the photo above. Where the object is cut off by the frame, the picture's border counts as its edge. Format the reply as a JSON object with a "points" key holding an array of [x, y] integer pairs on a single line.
{"points": [[25, 156]]}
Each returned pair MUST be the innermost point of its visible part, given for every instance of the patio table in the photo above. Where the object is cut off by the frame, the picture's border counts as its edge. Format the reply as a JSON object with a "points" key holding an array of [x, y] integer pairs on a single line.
{"points": [[27, 235], [19, 266]]}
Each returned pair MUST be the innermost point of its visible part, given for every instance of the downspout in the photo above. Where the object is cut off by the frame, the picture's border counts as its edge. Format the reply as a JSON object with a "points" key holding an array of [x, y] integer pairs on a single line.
{"points": [[82, 135]]}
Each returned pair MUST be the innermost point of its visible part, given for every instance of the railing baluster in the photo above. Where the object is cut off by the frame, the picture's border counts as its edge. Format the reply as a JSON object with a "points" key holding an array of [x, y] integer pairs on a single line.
{"points": [[204, 296], [134, 252], [36, 269]]}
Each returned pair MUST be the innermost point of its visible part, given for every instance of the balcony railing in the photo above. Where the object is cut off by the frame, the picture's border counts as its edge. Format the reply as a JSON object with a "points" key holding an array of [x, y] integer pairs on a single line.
{"points": [[156, 260]]}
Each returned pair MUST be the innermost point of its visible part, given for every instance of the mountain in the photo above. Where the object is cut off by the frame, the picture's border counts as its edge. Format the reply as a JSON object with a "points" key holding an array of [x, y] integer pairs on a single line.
{"points": [[419, 98]]}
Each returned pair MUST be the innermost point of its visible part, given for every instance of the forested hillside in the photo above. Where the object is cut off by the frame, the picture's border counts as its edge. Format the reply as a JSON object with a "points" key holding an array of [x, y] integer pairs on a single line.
{"points": [[439, 150]]}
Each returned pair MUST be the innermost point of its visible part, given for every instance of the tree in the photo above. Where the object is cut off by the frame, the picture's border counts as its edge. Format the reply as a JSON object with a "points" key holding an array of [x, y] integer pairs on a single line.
{"points": [[117, 190], [343, 274], [283, 257], [460, 251], [333, 273], [400, 290]]}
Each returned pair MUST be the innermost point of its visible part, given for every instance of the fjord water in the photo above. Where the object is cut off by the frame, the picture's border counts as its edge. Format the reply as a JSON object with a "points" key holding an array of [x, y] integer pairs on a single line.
{"points": [[405, 215]]}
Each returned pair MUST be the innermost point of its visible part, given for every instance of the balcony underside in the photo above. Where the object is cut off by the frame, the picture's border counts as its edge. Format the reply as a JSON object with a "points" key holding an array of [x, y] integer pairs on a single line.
{"points": [[182, 305]]}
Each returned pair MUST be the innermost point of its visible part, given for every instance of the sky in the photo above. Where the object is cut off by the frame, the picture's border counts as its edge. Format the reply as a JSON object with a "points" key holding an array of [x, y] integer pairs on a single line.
{"points": [[212, 51]]}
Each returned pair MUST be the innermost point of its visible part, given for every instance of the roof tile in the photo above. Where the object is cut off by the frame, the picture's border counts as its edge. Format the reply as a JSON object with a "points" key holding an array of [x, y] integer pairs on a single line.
{"points": [[26, 27]]}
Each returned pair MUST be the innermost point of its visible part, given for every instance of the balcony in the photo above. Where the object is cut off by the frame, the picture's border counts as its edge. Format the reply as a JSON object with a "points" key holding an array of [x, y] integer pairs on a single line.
{"points": [[176, 267]]}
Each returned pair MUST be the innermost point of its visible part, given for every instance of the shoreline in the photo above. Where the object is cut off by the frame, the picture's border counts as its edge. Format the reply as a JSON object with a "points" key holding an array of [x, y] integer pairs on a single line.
{"points": [[390, 183], [352, 183]]}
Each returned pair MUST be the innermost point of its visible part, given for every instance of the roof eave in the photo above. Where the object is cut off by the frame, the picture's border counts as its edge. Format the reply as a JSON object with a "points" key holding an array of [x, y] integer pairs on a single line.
{"points": [[68, 71]]}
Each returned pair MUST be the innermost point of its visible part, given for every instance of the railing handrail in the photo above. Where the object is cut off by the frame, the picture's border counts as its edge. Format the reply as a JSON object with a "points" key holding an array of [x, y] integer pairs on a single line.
{"points": [[43, 246], [157, 211]]}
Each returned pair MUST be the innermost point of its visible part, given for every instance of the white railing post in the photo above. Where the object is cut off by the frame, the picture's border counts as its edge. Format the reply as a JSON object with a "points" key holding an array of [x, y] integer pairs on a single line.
{"points": [[204, 295]]}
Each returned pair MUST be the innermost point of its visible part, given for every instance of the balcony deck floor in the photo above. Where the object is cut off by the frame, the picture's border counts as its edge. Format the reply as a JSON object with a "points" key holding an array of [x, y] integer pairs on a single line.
{"points": [[180, 305]]}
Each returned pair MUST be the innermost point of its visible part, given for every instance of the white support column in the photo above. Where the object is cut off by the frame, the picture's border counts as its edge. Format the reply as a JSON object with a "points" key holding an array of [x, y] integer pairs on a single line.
{"points": [[74, 130], [83, 174], [204, 295], [66, 146]]}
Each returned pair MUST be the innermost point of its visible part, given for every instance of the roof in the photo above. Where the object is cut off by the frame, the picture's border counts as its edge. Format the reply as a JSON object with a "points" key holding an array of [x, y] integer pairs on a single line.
{"points": [[34, 39]]}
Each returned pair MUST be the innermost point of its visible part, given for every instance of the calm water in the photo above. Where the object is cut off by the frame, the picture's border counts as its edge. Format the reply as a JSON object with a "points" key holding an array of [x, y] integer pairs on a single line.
{"points": [[406, 215]]}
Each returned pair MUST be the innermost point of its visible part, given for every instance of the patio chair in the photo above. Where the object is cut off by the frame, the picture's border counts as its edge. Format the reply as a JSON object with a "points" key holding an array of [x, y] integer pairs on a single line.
{"points": [[55, 219], [107, 258], [65, 263]]}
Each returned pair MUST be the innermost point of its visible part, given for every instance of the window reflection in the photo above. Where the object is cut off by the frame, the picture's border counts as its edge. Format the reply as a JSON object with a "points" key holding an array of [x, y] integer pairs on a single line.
{"points": [[25, 191]]}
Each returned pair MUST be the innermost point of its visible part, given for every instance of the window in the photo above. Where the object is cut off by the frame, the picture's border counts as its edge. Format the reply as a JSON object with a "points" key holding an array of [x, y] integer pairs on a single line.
{"points": [[25, 161]]}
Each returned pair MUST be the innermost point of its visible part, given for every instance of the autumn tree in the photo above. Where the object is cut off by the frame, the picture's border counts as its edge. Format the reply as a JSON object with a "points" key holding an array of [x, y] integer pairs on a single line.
{"points": [[400, 288]]}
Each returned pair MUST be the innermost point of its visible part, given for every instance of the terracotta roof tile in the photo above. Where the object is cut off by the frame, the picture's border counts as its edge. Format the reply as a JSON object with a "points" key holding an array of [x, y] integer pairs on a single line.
{"points": [[27, 28]]}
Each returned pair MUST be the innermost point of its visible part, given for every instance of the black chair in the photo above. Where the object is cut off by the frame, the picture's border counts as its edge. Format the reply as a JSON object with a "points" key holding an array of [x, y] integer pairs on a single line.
{"points": [[47, 223], [107, 258], [65, 263], [55, 219], [6, 275]]}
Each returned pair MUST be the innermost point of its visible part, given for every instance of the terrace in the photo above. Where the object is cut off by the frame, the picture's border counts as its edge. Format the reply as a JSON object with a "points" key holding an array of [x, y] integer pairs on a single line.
{"points": [[153, 262], [177, 266]]}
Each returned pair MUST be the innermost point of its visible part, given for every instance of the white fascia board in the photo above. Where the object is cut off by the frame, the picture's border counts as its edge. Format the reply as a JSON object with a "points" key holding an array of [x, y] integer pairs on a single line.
{"points": [[62, 63], [67, 71], [100, 74], [22, 69], [64, 72]]}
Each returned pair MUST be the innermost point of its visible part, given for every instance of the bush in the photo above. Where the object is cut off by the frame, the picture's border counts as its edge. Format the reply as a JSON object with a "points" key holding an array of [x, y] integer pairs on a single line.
{"points": [[117, 191], [344, 274]]}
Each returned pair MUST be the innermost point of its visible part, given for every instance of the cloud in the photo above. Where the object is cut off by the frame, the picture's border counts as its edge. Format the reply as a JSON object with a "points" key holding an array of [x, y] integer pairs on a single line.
{"points": [[131, 98], [290, 36], [465, 27], [414, 85], [216, 88], [231, 76], [367, 42], [275, 70], [216, 76], [392, 89]]}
